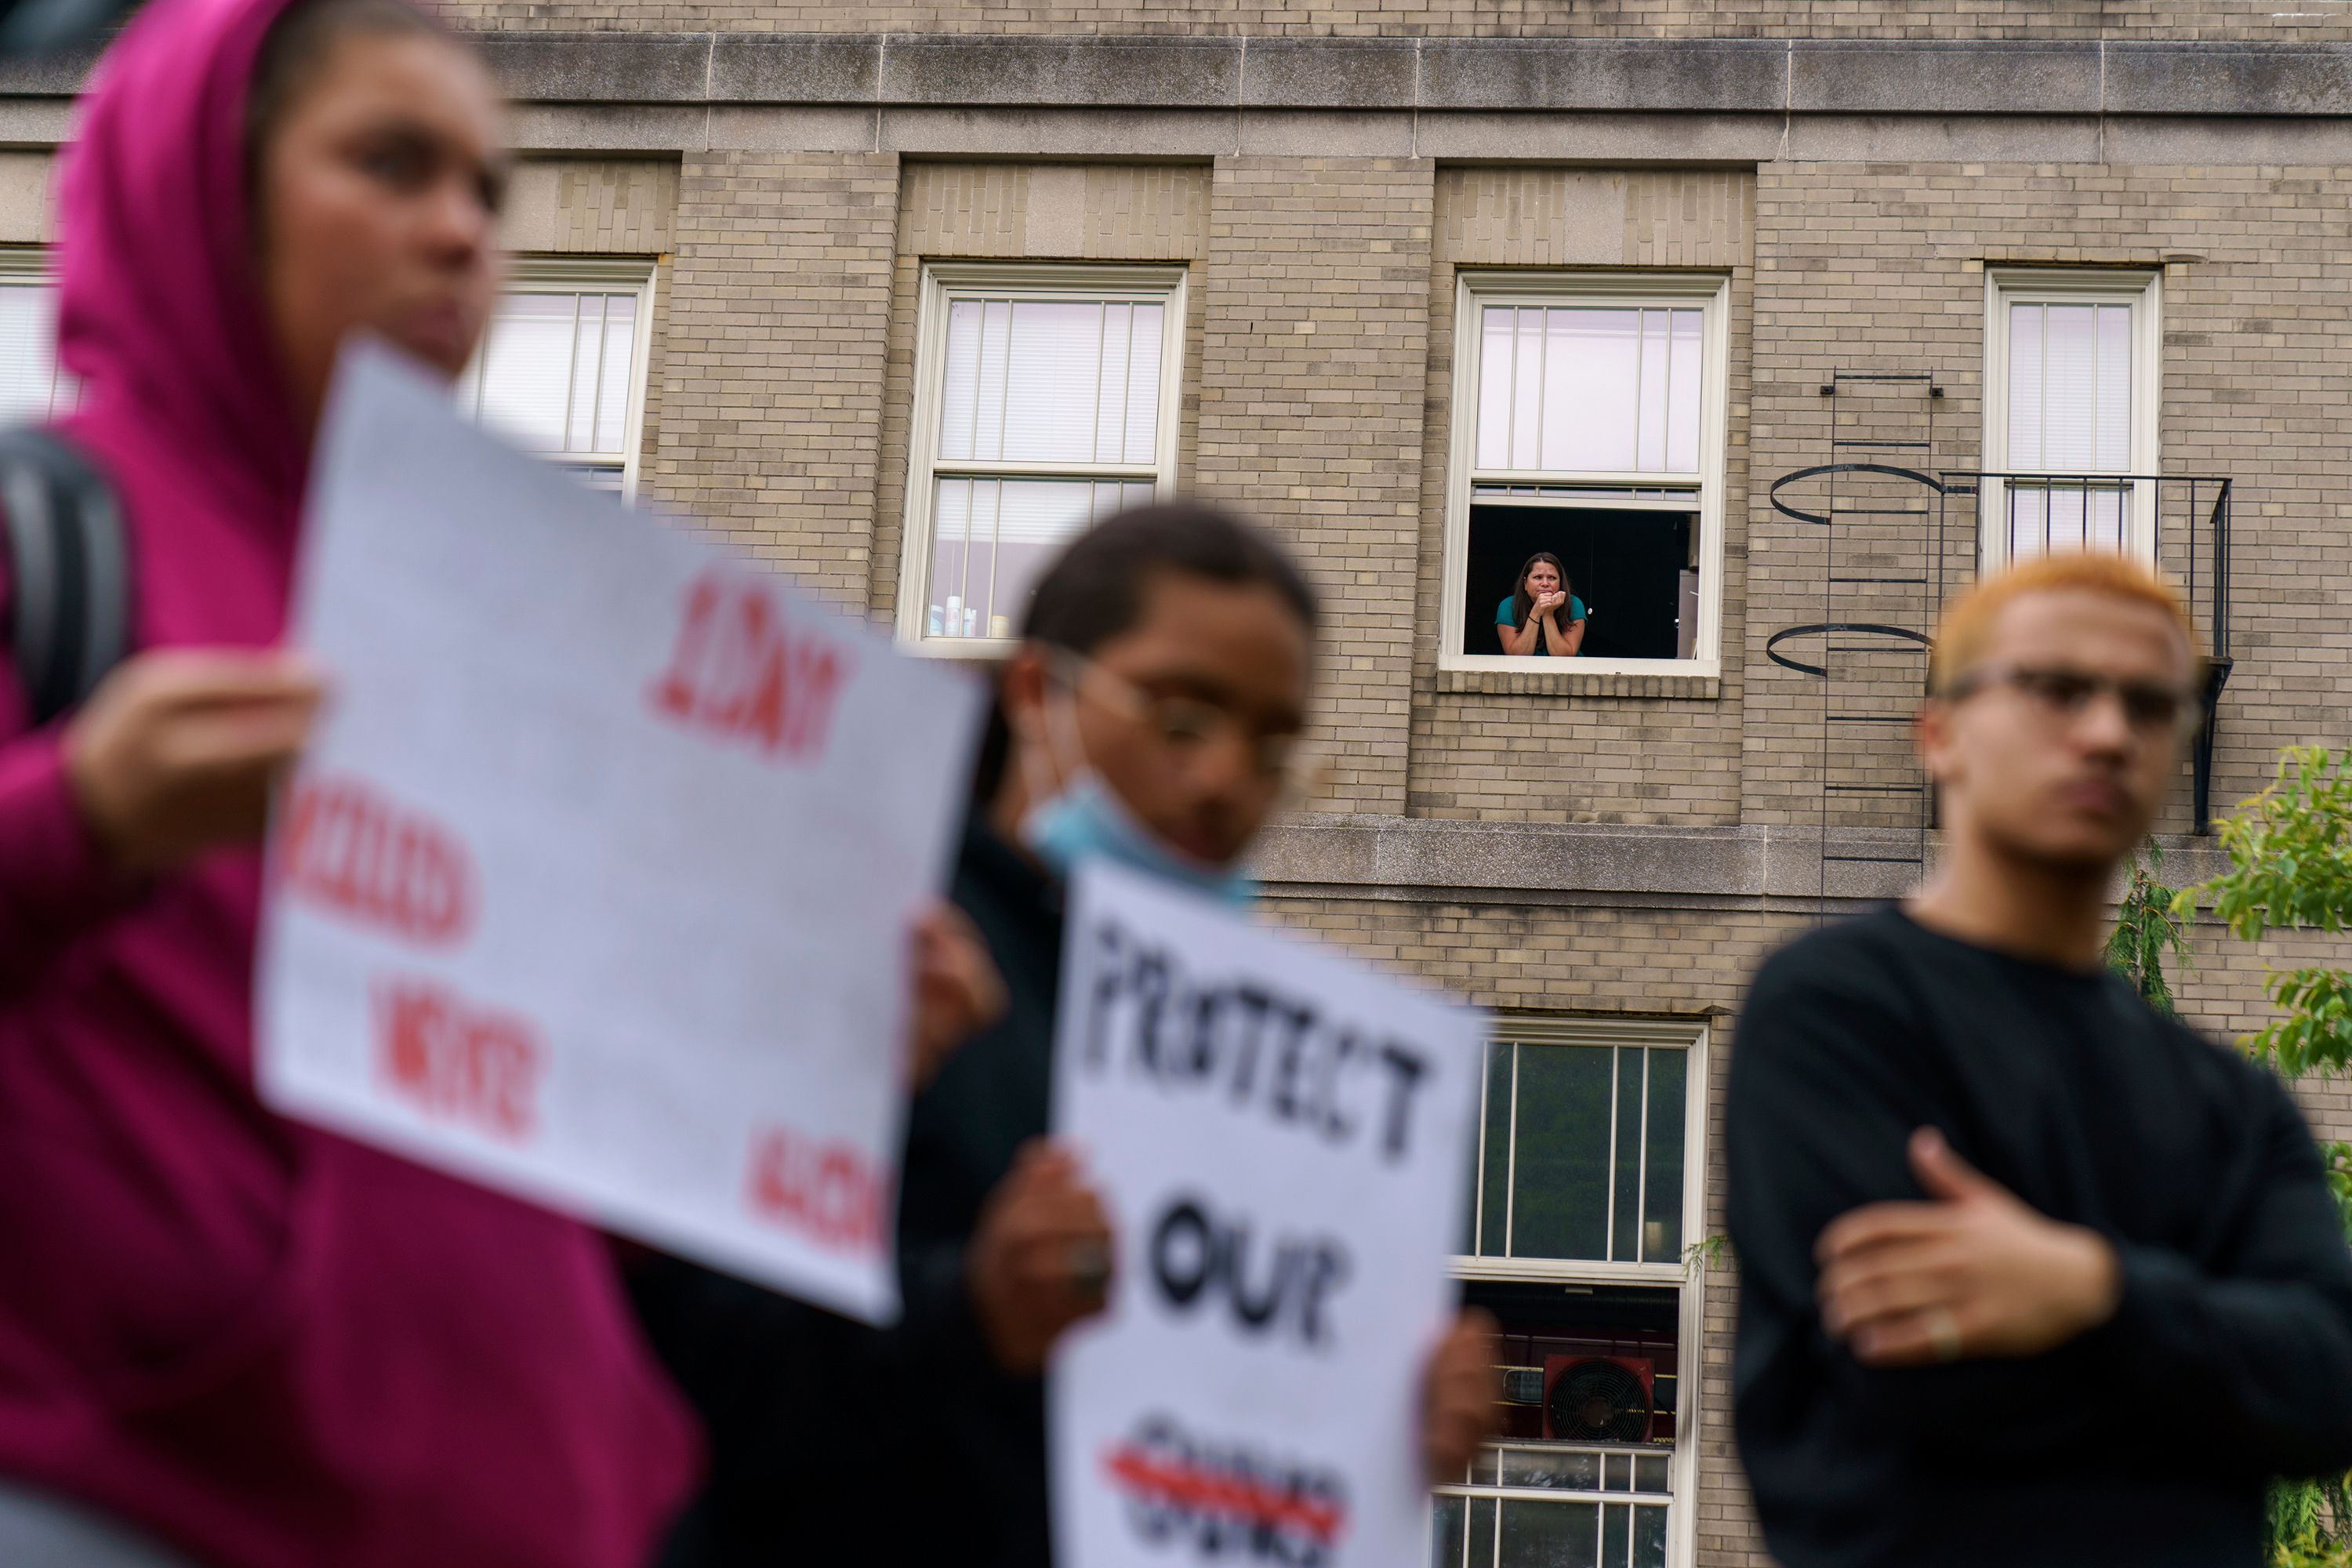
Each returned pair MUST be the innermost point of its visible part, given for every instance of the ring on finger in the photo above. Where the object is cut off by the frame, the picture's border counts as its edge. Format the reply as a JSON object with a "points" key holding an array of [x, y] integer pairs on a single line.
{"points": [[1943, 1333]]}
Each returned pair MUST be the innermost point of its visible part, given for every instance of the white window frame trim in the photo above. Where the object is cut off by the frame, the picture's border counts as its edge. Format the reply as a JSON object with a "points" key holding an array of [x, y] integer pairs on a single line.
{"points": [[942, 283], [527, 273], [1696, 1038], [2142, 289], [1712, 292]]}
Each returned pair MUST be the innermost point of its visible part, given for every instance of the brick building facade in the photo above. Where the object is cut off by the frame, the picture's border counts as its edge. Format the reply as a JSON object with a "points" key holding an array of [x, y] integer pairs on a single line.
{"points": [[1329, 251]]}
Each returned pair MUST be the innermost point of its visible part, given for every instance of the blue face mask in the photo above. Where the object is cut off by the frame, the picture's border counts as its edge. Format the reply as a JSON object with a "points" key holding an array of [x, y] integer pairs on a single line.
{"points": [[1085, 819]]}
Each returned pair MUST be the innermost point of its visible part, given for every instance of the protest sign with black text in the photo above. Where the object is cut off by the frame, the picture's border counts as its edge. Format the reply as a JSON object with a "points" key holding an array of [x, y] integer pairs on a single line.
{"points": [[1281, 1138]]}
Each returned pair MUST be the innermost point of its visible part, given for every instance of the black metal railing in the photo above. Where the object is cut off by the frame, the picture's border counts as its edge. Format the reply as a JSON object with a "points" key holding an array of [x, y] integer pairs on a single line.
{"points": [[2184, 519]]}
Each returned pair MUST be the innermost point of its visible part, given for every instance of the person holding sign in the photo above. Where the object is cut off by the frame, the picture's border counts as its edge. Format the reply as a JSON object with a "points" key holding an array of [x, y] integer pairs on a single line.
{"points": [[1151, 717], [225, 1337]]}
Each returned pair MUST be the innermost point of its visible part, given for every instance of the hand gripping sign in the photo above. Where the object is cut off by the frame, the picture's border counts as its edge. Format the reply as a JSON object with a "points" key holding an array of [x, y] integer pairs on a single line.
{"points": [[594, 883], [1282, 1139]]}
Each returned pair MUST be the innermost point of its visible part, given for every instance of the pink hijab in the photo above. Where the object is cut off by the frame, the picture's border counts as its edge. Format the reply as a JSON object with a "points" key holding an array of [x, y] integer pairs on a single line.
{"points": [[159, 311], [265, 1345]]}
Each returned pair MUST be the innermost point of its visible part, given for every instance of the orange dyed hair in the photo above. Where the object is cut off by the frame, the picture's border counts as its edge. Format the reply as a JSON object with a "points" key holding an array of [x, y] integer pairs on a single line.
{"points": [[1968, 619]]}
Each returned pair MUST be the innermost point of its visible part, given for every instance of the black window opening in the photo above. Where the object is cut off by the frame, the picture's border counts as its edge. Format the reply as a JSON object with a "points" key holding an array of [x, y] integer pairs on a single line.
{"points": [[1635, 569]]}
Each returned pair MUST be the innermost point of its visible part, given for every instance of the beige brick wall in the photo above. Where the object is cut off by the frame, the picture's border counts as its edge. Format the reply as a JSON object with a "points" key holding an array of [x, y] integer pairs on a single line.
{"points": [[1021, 212], [1880, 267], [772, 375], [2072, 19], [1312, 372], [1482, 748]]}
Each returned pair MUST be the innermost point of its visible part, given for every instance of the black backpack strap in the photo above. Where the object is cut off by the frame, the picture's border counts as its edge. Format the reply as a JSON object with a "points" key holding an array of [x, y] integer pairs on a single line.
{"points": [[69, 596]]}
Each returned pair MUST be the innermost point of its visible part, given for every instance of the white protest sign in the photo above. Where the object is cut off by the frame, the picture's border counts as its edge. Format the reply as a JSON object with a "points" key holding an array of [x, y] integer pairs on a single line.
{"points": [[594, 883], [1281, 1137]]}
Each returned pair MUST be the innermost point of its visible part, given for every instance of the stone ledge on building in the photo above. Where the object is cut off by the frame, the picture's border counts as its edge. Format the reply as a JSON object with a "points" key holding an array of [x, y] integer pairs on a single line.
{"points": [[1440, 75], [1472, 75], [1448, 862]]}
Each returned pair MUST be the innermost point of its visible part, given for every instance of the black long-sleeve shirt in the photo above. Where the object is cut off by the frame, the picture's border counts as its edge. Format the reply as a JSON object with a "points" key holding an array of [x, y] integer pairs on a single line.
{"points": [[2148, 1441], [833, 1443]]}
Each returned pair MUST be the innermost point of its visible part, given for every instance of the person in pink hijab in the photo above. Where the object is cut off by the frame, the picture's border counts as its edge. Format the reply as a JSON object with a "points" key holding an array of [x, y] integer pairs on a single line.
{"points": [[224, 1337]]}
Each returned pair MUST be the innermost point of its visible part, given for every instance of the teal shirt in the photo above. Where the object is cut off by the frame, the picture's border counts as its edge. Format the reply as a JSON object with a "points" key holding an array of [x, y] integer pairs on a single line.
{"points": [[1505, 613]]}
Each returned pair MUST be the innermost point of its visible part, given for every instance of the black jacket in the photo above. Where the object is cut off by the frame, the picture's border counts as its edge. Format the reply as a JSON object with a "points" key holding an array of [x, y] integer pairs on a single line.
{"points": [[833, 1443]]}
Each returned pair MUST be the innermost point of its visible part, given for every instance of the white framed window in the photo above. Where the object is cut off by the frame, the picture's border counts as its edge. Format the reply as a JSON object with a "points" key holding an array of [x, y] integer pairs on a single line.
{"points": [[2072, 397], [1588, 1190], [562, 369], [33, 387], [1589, 413], [1045, 399]]}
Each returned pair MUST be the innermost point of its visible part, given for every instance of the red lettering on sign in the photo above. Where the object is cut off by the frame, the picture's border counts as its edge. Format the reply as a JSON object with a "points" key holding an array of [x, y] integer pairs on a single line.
{"points": [[828, 1191], [741, 671], [457, 1062], [345, 847]]}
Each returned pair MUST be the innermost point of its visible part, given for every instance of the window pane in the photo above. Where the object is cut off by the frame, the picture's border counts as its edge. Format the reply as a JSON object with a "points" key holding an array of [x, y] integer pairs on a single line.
{"points": [[1492, 1191], [1651, 453], [1617, 1536], [951, 529], [1624, 1236], [1649, 1538], [2025, 386], [1562, 1469], [1143, 386], [1482, 1532], [1040, 516], [27, 351], [2070, 386], [1590, 414], [1110, 405], [1053, 381], [988, 415], [2114, 455], [612, 432], [1662, 1204], [1685, 375], [959, 379], [1651, 1475], [527, 369], [1560, 1198], [1548, 1535], [1528, 390], [1447, 1521], [587, 374], [1495, 387]]}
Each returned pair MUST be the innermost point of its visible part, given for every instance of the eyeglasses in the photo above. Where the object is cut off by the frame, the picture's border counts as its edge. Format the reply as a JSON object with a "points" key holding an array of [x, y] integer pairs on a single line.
{"points": [[1186, 726], [2150, 707]]}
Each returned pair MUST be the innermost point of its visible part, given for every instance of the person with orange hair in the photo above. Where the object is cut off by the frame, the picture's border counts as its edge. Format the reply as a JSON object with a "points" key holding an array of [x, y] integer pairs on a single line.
{"points": [[2029, 1274]]}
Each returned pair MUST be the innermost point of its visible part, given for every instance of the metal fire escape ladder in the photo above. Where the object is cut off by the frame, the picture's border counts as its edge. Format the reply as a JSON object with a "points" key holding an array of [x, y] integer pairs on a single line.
{"points": [[1883, 576]]}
